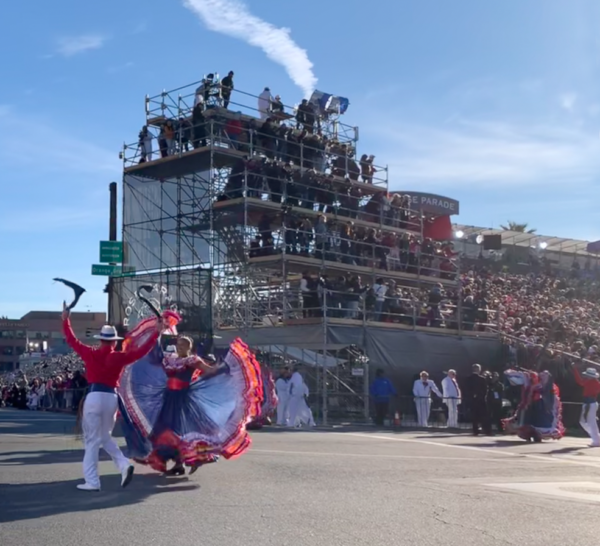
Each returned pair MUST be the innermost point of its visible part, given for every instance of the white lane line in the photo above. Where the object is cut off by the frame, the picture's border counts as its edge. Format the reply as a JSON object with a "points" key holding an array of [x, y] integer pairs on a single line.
{"points": [[496, 451], [369, 456]]}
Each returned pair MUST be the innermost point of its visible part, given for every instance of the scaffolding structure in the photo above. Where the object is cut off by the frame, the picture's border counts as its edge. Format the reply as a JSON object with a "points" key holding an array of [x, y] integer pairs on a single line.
{"points": [[241, 204]]}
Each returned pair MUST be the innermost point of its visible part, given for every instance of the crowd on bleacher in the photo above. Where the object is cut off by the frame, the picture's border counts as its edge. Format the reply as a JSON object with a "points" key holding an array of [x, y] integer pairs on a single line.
{"points": [[55, 383], [531, 308]]}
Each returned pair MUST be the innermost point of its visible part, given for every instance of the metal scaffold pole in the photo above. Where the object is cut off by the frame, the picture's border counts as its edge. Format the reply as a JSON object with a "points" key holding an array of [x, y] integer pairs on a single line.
{"points": [[323, 362]]}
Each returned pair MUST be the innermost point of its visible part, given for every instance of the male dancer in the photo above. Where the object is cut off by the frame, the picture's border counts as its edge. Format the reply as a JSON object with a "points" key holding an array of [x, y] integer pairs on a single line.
{"points": [[103, 366], [591, 389]]}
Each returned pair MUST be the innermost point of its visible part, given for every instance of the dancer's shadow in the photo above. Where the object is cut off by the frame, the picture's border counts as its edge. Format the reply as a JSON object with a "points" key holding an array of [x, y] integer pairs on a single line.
{"points": [[571, 449], [36, 500], [497, 443], [15, 458]]}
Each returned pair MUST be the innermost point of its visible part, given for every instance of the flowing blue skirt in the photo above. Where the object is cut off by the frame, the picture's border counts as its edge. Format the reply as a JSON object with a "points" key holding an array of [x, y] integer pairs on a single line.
{"points": [[197, 423]]}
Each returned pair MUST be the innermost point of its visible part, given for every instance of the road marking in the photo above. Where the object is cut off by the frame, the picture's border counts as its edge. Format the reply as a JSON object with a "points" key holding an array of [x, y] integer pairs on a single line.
{"points": [[496, 451], [367, 455], [586, 491]]}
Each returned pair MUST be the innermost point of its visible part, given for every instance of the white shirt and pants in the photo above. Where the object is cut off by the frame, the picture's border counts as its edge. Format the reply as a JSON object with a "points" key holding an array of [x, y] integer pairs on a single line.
{"points": [[422, 393], [282, 386], [299, 411], [452, 398], [264, 104], [99, 416]]}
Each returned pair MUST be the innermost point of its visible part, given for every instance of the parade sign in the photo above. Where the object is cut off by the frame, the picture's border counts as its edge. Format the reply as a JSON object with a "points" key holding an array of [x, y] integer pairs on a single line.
{"points": [[111, 252], [429, 202]]}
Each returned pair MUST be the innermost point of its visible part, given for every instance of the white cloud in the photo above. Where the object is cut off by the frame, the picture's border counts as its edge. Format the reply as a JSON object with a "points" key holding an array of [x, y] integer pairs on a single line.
{"points": [[73, 45], [466, 153], [568, 100], [232, 17], [50, 149]]}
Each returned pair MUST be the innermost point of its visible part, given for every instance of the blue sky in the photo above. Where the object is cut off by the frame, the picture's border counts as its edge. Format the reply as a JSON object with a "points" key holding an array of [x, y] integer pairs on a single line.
{"points": [[495, 104]]}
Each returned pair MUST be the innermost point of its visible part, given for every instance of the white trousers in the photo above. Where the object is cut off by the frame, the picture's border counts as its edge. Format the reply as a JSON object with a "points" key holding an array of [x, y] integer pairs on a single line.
{"points": [[452, 405], [283, 411], [589, 422], [299, 412], [99, 415], [423, 406]]}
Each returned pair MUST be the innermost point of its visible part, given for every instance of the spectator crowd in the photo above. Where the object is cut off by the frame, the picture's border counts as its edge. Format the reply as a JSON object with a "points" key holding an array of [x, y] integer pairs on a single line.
{"points": [[57, 383]]}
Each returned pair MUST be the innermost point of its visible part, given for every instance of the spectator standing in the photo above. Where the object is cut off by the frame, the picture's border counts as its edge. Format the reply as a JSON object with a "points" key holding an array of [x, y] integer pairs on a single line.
{"points": [[477, 387], [495, 396], [422, 389], [282, 386], [381, 392], [264, 103], [452, 397], [379, 290], [227, 88]]}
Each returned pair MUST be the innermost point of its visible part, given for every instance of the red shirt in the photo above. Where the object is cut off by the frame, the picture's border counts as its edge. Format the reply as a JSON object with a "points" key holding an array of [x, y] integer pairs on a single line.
{"points": [[102, 363], [591, 387]]}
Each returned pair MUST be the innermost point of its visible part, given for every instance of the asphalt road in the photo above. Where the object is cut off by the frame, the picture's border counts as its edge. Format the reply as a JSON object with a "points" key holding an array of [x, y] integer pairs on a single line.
{"points": [[341, 487]]}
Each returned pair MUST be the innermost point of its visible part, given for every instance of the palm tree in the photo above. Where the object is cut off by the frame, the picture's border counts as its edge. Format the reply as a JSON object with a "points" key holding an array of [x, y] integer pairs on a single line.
{"points": [[515, 226]]}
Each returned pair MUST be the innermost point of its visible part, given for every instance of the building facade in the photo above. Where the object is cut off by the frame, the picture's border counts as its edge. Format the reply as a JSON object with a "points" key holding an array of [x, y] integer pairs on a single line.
{"points": [[13, 342], [44, 329]]}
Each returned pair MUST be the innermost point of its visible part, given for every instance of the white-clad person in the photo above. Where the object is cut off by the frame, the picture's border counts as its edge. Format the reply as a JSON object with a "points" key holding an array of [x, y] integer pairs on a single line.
{"points": [[282, 387], [422, 392], [264, 103], [298, 408], [452, 397]]}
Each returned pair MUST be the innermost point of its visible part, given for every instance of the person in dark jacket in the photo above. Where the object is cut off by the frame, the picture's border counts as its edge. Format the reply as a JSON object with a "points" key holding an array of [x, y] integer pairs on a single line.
{"points": [[476, 392], [227, 88], [381, 392], [495, 395]]}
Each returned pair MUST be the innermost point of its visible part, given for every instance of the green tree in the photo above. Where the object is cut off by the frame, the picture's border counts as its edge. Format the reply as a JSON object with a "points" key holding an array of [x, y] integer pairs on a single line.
{"points": [[515, 226]]}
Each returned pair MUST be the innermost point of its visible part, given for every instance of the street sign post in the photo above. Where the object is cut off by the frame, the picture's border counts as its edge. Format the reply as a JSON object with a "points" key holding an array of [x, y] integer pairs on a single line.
{"points": [[111, 252], [106, 270]]}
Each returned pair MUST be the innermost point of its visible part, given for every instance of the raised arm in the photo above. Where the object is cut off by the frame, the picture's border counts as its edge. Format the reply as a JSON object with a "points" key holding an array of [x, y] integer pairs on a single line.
{"points": [[133, 354], [578, 378], [83, 350]]}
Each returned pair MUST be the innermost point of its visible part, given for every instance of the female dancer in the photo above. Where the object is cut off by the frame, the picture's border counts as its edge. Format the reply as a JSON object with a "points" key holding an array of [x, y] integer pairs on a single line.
{"points": [[269, 403], [169, 414], [539, 414]]}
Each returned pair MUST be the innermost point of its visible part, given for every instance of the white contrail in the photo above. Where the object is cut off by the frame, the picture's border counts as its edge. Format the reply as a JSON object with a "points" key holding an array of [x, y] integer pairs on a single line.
{"points": [[233, 18]]}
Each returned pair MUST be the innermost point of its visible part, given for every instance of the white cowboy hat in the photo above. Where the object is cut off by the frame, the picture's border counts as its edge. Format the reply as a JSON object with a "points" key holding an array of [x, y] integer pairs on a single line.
{"points": [[591, 372], [108, 333]]}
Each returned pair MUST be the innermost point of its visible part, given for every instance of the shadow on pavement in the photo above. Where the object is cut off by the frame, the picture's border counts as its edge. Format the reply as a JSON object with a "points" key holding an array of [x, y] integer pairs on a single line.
{"points": [[36, 500], [13, 458]]}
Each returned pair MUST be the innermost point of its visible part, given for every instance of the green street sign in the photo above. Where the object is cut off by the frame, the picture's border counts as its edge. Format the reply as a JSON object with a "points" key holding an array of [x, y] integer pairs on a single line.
{"points": [[128, 271], [111, 252], [106, 270]]}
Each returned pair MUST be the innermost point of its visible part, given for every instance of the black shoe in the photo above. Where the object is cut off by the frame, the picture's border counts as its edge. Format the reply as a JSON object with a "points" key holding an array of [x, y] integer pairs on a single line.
{"points": [[177, 470], [193, 469], [127, 476]]}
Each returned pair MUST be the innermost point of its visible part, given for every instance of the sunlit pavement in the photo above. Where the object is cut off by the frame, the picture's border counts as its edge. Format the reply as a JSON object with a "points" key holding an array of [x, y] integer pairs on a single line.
{"points": [[346, 487]]}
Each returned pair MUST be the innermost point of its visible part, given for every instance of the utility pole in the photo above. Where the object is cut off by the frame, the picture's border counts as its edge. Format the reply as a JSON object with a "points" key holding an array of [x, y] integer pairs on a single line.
{"points": [[112, 236]]}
